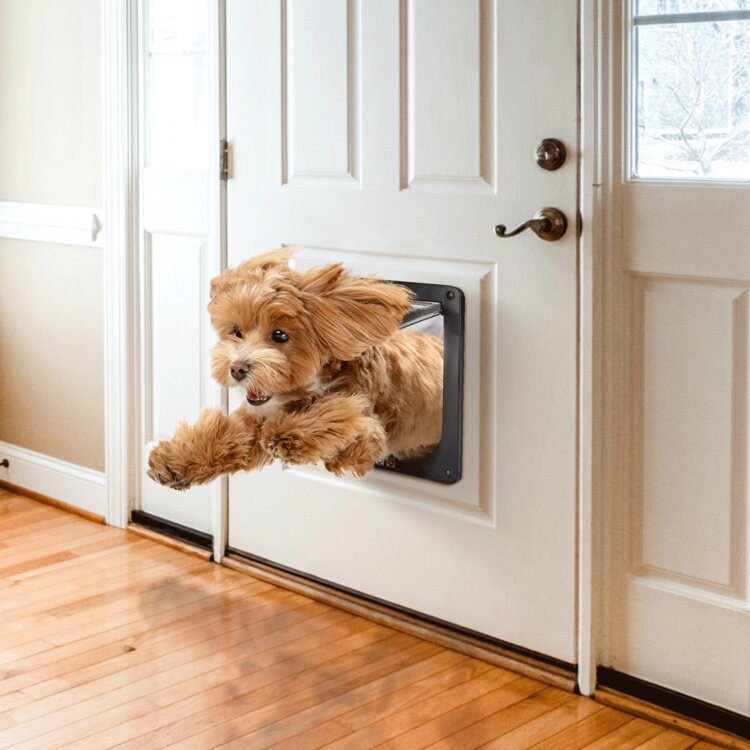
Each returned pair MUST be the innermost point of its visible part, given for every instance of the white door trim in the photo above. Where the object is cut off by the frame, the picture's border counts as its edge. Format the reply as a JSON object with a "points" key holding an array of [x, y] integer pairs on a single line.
{"points": [[588, 201], [120, 239], [217, 236], [601, 310], [120, 202]]}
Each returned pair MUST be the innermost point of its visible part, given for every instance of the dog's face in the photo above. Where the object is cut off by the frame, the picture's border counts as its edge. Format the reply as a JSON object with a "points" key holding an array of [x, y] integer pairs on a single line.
{"points": [[277, 327]]}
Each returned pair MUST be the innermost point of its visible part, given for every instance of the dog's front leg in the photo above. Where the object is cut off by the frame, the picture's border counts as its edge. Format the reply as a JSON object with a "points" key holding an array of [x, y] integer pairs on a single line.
{"points": [[216, 444], [335, 429]]}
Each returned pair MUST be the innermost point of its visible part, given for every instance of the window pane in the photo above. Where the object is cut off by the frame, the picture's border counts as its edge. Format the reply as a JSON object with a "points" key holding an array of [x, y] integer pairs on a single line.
{"points": [[178, 25], [657, 7], [178, 109], [692, 97], [177, 128]]}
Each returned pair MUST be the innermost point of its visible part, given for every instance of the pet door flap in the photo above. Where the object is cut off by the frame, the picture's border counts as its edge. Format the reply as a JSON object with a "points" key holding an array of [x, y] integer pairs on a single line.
{"points": [[439, 310]]}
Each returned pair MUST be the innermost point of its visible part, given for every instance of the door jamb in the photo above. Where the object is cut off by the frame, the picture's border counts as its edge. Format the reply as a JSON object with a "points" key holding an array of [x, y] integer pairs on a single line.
{"points": [[602, 472], [217, 237], [120, 203], [121, 273], [588, 199]]}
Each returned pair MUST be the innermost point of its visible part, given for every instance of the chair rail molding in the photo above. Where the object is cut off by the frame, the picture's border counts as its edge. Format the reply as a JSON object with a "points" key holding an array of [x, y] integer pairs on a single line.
{"points": [[66, 225]]}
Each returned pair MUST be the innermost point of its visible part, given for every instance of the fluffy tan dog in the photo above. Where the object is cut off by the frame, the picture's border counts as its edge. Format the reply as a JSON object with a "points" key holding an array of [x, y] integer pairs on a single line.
{"points": [[327, 373]]}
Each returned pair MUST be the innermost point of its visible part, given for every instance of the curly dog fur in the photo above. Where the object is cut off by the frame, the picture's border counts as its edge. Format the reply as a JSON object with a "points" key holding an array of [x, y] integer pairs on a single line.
{"points": [[328, 375]]}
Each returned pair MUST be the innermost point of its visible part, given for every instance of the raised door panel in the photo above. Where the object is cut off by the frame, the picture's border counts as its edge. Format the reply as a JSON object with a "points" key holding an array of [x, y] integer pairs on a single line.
{"points": [[447, 54], [175, 378], [691, 459], [320, 49], [686, 554]]}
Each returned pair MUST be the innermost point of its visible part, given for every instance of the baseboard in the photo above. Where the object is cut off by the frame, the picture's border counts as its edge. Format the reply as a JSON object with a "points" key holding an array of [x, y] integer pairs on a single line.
{"points": [[521, 661], [705, 721], [78, 487]]}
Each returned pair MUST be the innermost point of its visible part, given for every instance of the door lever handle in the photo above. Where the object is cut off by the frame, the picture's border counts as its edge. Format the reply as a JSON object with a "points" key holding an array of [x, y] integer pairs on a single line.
{"points": [[548, 224]]}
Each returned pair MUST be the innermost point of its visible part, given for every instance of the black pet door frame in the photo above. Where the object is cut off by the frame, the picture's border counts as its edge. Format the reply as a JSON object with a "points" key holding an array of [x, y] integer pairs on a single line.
{"points": [[444, 463]]}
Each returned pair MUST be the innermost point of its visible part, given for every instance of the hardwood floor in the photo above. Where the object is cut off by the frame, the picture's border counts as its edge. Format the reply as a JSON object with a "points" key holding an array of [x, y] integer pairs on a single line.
{"points": [[108, 639]]}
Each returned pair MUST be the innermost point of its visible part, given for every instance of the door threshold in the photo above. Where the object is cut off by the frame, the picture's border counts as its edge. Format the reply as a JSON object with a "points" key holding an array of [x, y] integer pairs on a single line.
{"points": [[675, 710], [507, 656], [182, 537], [169, 541]]}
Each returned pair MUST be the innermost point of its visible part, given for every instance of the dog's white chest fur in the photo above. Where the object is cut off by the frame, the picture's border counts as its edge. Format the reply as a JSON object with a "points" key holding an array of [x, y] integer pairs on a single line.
{"points": [[269, 410], [273, 406]]}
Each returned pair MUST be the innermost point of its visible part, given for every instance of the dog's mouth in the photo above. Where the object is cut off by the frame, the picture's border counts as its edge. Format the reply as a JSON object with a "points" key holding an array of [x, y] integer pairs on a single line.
{"points": [[256, 399]]}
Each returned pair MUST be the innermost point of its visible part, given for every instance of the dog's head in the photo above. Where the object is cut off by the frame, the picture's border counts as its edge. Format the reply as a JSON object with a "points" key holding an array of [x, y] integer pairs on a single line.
{"points": [[277, 327]]}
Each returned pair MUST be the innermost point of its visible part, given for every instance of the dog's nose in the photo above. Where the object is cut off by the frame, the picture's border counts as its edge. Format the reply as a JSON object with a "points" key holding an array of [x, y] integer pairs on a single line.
{"points": [[239, 370]]}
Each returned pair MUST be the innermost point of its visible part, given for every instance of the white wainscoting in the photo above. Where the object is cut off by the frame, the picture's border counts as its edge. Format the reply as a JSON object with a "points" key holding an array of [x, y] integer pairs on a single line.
{"points": [[76, 485], [67, 225]]}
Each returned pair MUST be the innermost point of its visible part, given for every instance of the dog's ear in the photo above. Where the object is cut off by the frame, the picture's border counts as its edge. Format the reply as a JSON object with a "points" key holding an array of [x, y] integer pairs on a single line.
{"points": [[260, 264], [349, 313]]}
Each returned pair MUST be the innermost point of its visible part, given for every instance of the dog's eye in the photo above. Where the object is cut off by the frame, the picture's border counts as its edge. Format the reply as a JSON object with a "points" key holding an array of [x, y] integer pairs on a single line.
{"points": [[279, 336], [237, 332]]}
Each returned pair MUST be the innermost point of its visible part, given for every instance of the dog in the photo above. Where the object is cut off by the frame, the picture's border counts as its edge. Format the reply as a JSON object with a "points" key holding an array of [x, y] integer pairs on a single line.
{"points": [[328, 376]]}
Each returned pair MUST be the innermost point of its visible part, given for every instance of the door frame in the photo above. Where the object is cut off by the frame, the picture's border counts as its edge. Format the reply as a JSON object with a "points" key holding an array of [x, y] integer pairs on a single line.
{"points": [[119, 76], [601, 372], [123, 108], [122, 288]]}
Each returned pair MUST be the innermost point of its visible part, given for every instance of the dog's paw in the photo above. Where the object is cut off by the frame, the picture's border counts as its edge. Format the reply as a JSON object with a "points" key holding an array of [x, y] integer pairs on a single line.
{"points": [[353, 465], [289, 449], [165, 468], [358, 458]]}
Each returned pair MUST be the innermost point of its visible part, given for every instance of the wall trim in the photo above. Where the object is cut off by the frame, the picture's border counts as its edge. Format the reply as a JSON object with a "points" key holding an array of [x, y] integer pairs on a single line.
{"points": [[44, 222], [589, 284], [120, 210], [217, 235], [69, 483]]}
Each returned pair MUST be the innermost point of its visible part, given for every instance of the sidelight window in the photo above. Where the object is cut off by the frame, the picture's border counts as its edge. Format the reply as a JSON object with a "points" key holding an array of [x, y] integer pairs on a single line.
{"points": [[177, 83], [691, 92]]}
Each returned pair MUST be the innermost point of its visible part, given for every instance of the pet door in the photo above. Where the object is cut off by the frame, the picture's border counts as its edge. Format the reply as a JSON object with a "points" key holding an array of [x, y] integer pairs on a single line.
{"points": [[439, 310]]}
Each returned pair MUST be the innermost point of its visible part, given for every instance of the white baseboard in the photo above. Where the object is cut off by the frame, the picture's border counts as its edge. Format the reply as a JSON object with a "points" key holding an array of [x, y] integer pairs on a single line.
{"points": [[72, 484]]}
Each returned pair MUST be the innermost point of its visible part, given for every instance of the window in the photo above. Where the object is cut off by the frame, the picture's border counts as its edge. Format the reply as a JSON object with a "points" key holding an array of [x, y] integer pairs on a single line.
{"points": [[691, 92], [177, 127]]}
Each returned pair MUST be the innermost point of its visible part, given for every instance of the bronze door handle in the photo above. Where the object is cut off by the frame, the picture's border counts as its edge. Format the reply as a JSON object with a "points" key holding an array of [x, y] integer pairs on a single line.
{"points": [[548, 224]]}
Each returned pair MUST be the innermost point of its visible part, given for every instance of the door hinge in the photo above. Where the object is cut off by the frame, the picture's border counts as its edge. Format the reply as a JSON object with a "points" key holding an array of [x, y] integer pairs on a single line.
{"points": [[223, 160]]}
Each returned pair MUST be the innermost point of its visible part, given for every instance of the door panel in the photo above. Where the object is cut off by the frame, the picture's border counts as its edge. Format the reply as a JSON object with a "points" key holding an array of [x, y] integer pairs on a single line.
{"points": [[175, 380], [374, 133], [679, 577], [179, 248]]}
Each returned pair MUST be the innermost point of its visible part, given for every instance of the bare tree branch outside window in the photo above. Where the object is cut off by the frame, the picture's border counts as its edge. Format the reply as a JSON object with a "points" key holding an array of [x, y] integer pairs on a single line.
{"points": [[693, 93]]}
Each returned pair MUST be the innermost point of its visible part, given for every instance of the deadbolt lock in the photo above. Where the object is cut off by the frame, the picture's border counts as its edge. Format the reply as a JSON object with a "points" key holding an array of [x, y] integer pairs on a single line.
{"points": [[550, 154]]}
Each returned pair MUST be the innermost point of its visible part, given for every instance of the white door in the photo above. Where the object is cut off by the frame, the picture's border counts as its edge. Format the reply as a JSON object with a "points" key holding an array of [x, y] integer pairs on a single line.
{"points": [[179, 246], [394, 136], [679, 600]]}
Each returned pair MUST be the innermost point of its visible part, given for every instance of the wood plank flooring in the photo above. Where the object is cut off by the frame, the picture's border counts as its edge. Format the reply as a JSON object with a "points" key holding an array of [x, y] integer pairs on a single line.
{"points": [[108, 640]]}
